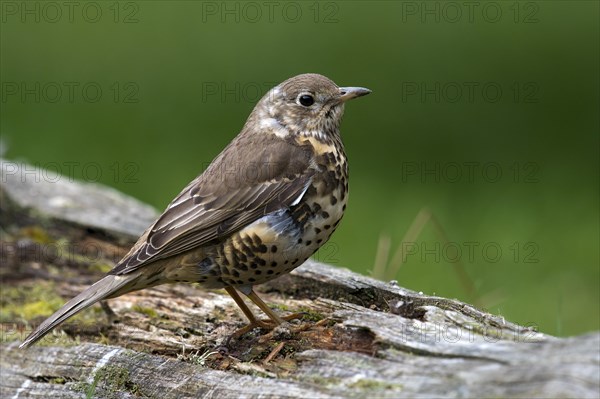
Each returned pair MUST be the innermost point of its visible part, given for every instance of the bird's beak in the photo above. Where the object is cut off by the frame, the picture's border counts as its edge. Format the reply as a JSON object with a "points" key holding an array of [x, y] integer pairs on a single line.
{"points": [[348, 93]]}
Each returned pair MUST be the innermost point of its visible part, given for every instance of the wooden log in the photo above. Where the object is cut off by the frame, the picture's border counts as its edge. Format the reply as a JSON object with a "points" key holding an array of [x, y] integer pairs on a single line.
{"points": [[360, 337]]}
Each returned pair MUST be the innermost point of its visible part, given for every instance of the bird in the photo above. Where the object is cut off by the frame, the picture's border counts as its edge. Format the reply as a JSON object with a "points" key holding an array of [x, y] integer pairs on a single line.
{"points": [[262, 207]]}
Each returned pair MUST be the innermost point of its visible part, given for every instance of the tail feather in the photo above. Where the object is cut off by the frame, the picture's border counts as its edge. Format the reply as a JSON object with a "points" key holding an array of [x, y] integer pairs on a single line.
{"points": [[109, 286]]}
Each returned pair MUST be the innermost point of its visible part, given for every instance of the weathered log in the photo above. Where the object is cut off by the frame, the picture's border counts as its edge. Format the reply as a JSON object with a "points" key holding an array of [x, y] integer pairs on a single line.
{"points": [[360, 337]]}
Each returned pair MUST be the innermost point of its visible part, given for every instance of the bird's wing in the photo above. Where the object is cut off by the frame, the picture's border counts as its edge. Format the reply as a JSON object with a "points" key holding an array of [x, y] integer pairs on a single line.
{"points": [[249, 179]]}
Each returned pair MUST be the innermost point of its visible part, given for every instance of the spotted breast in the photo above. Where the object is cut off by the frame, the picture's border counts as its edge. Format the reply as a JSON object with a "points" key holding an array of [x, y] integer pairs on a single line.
{"points": [[282, 240]]}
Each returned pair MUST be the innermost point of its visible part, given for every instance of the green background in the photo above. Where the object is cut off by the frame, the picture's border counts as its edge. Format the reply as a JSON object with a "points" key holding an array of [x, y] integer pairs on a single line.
{"points": [[514, 170]]}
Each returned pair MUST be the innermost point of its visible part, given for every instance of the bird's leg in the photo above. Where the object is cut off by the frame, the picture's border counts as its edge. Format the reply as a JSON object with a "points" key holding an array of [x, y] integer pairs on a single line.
{"points": [[254, 322], [265, 308], [274, 321]]}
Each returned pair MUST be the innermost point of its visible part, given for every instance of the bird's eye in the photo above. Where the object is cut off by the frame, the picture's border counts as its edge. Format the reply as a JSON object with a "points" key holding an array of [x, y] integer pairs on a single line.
{"points": [[306, 99]]}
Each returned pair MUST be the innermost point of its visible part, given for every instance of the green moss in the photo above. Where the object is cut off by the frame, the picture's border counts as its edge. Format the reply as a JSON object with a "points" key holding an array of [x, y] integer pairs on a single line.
{"points": [[27, 303], [311, 315], [375, 385], [36, 234], [308, 314], [39, 308], [113, 379], [147, 311]]}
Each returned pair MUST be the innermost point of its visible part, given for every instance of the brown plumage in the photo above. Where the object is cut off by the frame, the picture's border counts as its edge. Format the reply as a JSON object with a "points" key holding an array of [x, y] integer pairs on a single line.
{"points": [[272, 197]]}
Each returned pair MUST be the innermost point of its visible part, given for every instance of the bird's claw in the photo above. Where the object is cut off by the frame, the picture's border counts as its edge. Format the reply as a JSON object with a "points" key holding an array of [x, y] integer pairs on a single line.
{"points": [[266, 324]]}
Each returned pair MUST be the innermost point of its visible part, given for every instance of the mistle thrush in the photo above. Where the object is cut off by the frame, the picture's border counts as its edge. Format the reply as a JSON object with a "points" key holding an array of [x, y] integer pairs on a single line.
{"points": [[272, 197]]}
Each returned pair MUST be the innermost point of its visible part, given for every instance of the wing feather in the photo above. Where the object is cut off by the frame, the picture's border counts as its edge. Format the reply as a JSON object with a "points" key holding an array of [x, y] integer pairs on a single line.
{"points": [[221, 201]]}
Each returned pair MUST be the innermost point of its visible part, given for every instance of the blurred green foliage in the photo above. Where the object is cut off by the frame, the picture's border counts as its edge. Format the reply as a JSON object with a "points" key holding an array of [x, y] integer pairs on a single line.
{"points": [[486, 113]]}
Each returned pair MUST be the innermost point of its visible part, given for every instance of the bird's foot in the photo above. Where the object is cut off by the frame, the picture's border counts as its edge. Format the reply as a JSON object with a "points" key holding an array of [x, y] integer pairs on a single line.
{"points": [[266, 324], [284, 332]]}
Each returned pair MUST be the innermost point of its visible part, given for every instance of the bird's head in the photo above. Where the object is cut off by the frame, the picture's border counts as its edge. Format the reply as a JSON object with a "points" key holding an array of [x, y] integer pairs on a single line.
{"points": [[308, 104]]}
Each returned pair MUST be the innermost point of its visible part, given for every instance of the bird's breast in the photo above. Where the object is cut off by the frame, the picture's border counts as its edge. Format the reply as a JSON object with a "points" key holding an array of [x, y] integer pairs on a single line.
{"points": [[281, 241]]}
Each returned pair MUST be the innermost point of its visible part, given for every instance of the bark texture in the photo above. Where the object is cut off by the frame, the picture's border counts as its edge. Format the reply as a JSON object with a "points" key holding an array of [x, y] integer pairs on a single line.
{"points": [[359, 337]]}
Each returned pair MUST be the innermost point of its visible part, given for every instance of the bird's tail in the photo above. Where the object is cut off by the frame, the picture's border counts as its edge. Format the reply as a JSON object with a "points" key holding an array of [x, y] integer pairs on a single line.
{"points": [[108, 287]]}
